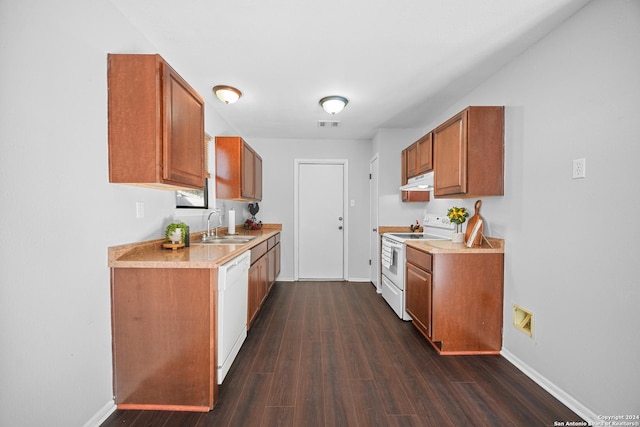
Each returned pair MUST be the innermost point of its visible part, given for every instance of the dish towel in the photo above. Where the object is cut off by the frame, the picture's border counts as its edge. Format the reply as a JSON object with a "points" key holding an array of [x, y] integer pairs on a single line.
{"points": [[387, 254]]}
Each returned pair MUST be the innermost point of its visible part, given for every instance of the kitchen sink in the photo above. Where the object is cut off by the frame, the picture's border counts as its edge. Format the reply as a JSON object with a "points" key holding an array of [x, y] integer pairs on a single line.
{"points": [[226, 240]]}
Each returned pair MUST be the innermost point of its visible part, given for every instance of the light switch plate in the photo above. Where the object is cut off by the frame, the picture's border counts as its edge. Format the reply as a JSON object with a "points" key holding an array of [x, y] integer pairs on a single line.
{"points": [[579, 168], [139, 210]]}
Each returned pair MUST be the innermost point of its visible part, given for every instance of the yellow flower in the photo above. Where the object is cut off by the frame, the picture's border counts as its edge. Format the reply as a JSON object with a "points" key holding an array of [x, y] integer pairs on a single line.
{"points": [[457, 215]]}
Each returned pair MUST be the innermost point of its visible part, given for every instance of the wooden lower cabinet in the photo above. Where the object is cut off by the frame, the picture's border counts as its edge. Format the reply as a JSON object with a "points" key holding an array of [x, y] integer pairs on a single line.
{"points": [[164, 335], [455, 300], [265, 268], [164, 331]]}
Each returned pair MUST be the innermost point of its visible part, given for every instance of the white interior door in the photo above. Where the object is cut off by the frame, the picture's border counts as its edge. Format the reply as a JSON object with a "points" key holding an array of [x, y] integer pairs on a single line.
{"points": [[374, 243], [320, 196]]}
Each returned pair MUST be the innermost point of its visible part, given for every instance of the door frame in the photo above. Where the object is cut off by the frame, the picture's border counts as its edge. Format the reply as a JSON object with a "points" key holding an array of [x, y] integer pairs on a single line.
{"points": [[296, 211], [374, 243]]}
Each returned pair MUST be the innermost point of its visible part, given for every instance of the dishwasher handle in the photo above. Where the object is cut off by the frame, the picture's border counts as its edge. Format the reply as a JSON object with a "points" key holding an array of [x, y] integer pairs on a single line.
{"points": [[238, 262], [241, 261]]}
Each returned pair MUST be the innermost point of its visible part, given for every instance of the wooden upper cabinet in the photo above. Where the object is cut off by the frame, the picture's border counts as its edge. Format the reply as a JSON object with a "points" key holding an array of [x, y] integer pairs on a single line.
{"points": [[420, 156], [411, 154], [468, 152], [411, 196], [156, 125], [238, 170]]}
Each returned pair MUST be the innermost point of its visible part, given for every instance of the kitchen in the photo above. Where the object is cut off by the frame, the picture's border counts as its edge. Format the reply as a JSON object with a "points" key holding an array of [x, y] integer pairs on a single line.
{"points": [[56, 326]]}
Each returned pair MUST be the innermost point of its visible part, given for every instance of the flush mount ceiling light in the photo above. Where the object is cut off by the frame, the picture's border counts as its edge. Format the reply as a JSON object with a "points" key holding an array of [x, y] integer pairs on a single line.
{"points": [[227, 94], [333, 104]]}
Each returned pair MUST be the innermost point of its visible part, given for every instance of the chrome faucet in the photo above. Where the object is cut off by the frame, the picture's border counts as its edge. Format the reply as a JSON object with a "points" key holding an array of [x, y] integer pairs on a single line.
{"points": [[215, 211]]}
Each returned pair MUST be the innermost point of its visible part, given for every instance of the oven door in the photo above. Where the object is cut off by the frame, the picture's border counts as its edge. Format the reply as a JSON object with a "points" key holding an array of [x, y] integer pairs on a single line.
{"points": [[393, 261], [395, 297]]}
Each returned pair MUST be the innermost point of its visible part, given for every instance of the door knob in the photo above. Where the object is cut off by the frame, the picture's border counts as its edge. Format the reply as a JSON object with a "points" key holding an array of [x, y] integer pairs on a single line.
{"points": [[339, 218]]}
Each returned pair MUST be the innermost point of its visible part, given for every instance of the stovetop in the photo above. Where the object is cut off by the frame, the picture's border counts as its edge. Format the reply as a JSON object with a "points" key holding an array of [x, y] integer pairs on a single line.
{"points": [[436, 227], [418, 236]]}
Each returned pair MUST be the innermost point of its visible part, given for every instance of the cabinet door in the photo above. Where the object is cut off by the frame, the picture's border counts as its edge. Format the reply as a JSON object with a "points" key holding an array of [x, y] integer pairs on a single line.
{"points": [[264, 278], [403, 167], [248, 172], [183, 141], [274, 264], [403, 174], [254, 289], [413, 167], [277, 261], [425, 153], [419, 297], [257, 172], [271, 271], [450, 156]]}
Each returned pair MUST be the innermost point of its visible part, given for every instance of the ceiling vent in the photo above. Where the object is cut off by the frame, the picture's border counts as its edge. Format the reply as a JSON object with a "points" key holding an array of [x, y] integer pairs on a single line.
{"points": [[328, 123]]}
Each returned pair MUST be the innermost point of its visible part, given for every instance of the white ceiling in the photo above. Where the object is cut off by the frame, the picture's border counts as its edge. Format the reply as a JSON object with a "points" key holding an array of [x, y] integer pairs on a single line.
{"points": [[396, 61]]}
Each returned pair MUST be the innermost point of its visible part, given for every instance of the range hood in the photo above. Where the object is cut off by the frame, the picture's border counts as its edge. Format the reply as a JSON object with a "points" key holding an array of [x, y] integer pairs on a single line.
{"points": [[419, 183]]}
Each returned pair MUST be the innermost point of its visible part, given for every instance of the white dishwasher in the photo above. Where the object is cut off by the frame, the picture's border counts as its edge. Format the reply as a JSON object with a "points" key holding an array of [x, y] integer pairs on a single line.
{"points": [[233, 295]]}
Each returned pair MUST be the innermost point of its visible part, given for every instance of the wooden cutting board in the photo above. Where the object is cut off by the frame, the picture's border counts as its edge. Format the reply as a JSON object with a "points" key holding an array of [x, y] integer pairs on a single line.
{"points": [[475, 228]]}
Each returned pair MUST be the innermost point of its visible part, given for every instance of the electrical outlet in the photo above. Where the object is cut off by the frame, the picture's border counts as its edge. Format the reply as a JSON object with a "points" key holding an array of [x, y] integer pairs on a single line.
{"points": [[579, 168], [523, 319]]}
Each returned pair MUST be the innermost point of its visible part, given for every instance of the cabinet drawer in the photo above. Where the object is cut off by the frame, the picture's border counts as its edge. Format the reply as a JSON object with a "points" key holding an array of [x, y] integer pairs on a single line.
{"points": [[258, 251], [271, 242], [419, 258]]}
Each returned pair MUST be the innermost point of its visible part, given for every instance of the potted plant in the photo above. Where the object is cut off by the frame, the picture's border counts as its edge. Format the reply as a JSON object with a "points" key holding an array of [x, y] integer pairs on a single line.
{"points": [[176, 233], [458, 216]]}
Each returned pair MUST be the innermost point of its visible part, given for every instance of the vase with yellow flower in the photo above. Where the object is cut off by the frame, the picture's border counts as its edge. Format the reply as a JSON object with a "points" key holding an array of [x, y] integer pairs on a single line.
{"points": [[458, 216]]}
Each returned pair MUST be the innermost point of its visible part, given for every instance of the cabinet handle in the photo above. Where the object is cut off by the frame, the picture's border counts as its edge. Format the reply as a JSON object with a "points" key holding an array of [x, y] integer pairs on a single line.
{"points": [[340, 228]]}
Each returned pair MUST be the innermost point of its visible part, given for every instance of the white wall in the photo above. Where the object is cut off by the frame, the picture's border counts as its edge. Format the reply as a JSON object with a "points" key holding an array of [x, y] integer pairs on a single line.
{"points": [[388, 144], [278, 178], [58, 209], [570, 252], [571, 245]]}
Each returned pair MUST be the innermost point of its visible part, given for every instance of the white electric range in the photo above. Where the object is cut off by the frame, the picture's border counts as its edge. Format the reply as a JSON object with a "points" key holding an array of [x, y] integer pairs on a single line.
{"points": [[435, 227]]}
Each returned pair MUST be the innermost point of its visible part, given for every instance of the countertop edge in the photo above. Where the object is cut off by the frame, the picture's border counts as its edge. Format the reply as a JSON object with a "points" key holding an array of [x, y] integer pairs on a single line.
{"points": [[147, 250], [397, 229], [447, 246]]}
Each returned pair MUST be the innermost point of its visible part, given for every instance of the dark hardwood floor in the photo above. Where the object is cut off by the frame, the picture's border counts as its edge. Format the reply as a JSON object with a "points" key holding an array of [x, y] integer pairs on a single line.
{"points": [[334, 354]]}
